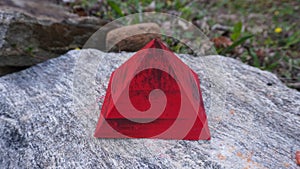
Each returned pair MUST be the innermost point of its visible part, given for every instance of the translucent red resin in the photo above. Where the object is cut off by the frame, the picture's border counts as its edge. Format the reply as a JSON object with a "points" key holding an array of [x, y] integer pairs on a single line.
{"points": [[179, 109]]}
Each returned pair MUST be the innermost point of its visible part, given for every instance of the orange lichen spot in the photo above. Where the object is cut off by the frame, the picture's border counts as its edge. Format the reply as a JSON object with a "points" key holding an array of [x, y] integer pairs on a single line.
{"points": [[232, 112], [239, 154], [218, 118], [249, 157], [231, 149], [221, 157]]}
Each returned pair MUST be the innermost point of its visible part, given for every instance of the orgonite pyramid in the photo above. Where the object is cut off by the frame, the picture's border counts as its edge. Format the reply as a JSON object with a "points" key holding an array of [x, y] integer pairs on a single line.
{"points": [[134, 108]]}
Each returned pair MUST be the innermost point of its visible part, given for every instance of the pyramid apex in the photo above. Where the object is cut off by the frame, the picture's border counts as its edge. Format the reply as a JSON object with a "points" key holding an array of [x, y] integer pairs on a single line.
{"points": [[156, 43]]}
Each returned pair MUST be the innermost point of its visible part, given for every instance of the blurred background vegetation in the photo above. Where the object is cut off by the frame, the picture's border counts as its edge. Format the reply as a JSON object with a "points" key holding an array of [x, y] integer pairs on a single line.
{"points": [[261, 33]]}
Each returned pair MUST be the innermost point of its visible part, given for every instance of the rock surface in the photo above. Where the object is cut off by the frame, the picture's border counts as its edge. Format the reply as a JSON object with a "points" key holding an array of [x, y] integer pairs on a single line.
{"points": [[39, 8], [34, 31], [254, 119]]}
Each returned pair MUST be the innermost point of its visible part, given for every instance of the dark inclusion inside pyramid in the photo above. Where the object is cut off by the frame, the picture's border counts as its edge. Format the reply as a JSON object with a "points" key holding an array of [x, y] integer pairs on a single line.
{"points": [[113, 124]]}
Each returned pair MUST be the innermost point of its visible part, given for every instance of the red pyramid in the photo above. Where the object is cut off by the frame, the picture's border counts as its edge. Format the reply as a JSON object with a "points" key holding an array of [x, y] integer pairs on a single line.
{"points": [[153, 95]]}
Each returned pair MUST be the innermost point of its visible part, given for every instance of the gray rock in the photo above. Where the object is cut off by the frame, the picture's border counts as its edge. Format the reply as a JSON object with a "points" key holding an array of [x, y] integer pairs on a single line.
{"points": [[48, 115], [34, 31], [38, 8]]}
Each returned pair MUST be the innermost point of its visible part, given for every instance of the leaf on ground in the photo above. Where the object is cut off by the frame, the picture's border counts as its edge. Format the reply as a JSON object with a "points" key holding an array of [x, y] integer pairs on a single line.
{"points": [[221, 42]]}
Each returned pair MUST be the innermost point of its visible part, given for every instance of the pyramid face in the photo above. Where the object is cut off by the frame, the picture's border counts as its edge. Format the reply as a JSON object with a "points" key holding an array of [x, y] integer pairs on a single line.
{"points": [[153, 95]]}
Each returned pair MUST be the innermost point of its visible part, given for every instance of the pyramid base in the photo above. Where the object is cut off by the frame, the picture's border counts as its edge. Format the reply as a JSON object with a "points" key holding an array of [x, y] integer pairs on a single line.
{"points": [[123, 128]]}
